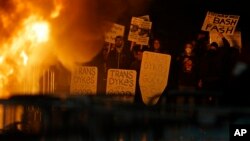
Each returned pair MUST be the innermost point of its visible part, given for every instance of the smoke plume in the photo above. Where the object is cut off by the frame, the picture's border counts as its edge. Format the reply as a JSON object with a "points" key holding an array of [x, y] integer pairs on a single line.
{"points": [[76, 32]]}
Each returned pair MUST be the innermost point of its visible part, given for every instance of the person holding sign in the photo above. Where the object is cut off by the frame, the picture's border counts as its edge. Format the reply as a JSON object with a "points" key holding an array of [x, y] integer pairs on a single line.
{"points": [[214, 66], [120, 57], [154, 74]]}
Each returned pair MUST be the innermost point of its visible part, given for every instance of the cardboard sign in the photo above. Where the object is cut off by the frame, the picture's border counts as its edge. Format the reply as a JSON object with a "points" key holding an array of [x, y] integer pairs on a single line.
{"points": [[145, 17], [222, 23], [116, 30], [84, 80], [153, 75], [121, 82], [139, 31]]}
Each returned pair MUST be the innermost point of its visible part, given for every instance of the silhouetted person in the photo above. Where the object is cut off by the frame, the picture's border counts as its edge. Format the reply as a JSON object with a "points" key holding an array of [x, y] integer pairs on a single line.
{"points": [[213, 66], [120, 56], [187, 69], [136, 65]]}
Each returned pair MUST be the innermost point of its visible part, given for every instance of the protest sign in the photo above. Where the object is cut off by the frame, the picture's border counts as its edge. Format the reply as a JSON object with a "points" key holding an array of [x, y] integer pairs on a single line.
{"points": [[153, 77], [84, 80], [115, 30], [139, 31], [225, 24], [121, 82]]}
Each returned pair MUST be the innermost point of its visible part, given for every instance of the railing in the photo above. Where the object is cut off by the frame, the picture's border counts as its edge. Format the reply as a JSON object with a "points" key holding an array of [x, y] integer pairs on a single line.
{"points": [[94, 118]]}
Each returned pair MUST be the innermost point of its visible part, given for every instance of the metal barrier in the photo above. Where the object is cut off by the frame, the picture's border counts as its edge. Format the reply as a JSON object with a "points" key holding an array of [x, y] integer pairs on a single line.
{"points": [[105, 118]]}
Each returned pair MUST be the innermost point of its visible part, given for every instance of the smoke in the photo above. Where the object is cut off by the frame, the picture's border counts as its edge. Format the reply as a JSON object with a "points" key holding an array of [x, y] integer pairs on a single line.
{"points": [[81, 26], [76, 31]]}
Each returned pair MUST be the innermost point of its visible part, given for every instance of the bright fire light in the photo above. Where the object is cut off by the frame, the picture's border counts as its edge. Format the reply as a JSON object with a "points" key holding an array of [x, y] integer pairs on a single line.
{"points": [[16, 54], [25, 57], [41, 31], [58, 8], [36, 31]]}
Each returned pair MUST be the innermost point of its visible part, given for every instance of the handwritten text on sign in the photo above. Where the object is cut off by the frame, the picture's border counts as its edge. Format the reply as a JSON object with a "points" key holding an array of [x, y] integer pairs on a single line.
{"points": [[84, 80], [139, 31], [222, 23], [153, 75], [116, 30]]}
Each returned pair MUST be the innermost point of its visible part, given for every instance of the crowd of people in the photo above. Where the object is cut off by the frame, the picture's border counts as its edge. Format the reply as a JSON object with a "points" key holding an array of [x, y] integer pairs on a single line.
{"points": [[200, 65]]}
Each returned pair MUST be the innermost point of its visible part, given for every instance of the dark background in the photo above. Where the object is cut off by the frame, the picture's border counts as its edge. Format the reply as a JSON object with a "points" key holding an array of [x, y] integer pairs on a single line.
{"points": [[176, 21]]}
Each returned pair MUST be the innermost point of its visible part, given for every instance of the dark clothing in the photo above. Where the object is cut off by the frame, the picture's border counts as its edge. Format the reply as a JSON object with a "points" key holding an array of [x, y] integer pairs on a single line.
{"points": [[120, 60], [200, 48], [214, 67], [117, 59], [211, 71], [159, 51], [98, 61], [187, 72], [136, 65]]}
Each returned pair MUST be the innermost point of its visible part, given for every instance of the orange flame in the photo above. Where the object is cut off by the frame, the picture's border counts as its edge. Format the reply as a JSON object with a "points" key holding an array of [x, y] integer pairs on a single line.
{"points": [[58, 7], [37, 33], [33, 31], [25, 57], [15, 54]]}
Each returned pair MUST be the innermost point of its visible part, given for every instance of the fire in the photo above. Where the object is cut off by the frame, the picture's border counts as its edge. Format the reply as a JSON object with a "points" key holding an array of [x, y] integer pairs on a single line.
{"points": [[36, 31], [14, 57], [36, 34], [26, 43], [40, 30], [25, 27], [25, 57], [58, 7]]}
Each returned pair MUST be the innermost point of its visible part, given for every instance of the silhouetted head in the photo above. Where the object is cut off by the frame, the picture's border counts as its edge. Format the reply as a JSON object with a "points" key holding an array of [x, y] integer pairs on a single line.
{"points": [[213, 46], [119, 42]]}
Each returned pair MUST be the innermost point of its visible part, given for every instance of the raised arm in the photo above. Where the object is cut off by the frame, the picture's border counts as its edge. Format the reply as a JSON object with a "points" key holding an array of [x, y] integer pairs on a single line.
{"points": [[226, 44]]}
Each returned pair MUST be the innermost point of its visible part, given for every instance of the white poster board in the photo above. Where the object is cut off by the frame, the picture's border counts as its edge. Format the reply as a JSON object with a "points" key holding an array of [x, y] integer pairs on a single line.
{"points": [[153, 76], [139, 31], [121, 82], [84, 80], [225, 24]]}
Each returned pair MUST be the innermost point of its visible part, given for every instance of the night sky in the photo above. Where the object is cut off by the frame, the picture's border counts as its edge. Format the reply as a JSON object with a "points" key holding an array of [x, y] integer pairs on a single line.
{"points": [[178, 20]]}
